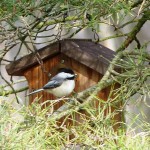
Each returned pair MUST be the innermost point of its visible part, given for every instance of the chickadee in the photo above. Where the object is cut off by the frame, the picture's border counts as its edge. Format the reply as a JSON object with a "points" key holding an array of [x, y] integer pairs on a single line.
{"points": [[61, 84]]}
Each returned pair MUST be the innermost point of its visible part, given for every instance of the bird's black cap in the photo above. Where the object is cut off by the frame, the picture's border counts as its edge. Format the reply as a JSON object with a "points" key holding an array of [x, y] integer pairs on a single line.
{"points": [[66, 70]]}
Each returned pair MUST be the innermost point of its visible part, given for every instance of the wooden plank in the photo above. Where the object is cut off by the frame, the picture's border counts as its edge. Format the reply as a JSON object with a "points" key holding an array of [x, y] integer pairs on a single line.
{"points": [[94, 56], [18, 67], [37, 78], [95, 50], [84, 51], [32, 76]]}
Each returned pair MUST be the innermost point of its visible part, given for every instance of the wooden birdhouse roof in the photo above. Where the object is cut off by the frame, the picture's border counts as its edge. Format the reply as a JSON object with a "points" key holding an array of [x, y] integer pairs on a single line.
{"points": [[87, 52]]}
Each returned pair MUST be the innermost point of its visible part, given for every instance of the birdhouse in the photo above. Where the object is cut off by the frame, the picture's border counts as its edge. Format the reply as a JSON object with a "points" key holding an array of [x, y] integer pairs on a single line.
{"points": [[88, 59]]}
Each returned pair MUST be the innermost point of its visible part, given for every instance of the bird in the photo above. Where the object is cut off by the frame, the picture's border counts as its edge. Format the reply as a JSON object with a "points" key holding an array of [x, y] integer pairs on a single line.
{"points": [[61, 85]]}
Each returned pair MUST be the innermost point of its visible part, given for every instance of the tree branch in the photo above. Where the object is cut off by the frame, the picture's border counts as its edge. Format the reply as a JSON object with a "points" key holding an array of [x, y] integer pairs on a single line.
{"points": [[136, 29], [7, 92]]}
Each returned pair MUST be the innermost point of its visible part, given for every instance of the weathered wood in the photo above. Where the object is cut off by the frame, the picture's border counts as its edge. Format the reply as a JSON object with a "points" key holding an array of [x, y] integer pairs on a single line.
{"points": [[75, 48], [37, 78], [92, 55], [18, 67]]}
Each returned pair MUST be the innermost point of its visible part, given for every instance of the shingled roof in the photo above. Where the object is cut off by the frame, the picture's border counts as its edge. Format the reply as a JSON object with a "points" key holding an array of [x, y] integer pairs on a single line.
{"points": [[87, 52]]}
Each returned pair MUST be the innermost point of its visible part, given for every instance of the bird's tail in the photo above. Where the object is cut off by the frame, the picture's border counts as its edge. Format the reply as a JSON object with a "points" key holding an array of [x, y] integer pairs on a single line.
{"points": [[39, 90]]}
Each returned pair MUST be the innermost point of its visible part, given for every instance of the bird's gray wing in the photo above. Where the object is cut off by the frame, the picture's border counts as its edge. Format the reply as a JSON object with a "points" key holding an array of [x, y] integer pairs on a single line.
{"points": [[53, 83]]}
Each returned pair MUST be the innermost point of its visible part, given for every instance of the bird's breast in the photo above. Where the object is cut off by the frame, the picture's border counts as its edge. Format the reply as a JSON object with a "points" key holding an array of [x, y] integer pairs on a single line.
{"points": [[64, 89]]}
